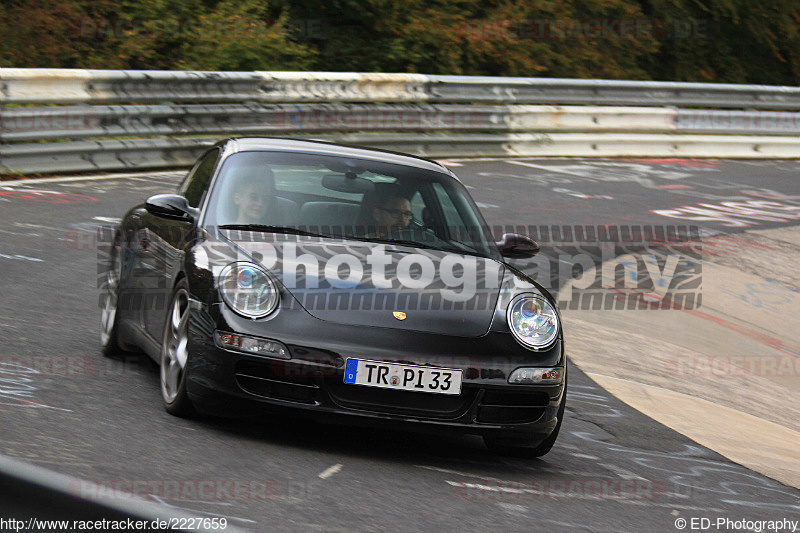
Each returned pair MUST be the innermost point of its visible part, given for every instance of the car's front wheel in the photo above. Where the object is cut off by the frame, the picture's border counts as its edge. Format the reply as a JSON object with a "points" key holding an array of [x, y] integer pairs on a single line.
{"points": [[175, 354], [514, 448]]}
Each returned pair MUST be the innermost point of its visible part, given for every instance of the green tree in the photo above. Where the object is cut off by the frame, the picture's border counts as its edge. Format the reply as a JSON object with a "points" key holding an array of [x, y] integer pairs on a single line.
{"points": [[733, 41], [737, 41], [500, 37], [47, 33], [240, 35]]}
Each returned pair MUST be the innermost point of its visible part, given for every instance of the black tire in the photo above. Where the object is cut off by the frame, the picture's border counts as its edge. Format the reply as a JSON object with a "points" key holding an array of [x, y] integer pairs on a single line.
{"points": [[174, 354], [109, 319], [514, 448]]}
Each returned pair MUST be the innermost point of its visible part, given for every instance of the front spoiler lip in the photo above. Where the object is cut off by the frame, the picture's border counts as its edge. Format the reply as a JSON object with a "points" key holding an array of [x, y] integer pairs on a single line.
{"points": [[323, 413]]}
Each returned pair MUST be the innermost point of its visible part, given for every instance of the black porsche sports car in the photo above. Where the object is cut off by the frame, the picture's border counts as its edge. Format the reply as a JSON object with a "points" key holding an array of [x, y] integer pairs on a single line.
{"points": [[340, 281]]}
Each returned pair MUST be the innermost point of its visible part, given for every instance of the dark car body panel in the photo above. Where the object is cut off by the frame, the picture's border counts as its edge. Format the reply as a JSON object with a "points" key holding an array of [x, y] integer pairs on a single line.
{"points": [[472, 336], [364, 304]]}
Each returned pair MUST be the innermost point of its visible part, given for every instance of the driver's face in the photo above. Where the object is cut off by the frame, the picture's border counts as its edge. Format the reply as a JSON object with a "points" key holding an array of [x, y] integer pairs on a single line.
{"points": [[394, 215]]}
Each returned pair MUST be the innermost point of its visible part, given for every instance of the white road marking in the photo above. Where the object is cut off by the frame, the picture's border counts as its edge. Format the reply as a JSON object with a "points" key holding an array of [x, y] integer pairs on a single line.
{"points": [[566, 526], [513, 508], [16, 183], [207, 513], [457, 473], [621, 472], [548, 168], [489, 488], [505, 159], [670, 506], [36, 226], [584, 456], [21, 258], [328, 472], [470, 475], [529, 492], [21, 234], [17, 385]]}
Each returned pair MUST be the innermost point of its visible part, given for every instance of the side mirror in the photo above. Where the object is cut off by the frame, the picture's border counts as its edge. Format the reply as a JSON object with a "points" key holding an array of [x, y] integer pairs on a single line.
{"points": [[516, 246], [171, 206]]}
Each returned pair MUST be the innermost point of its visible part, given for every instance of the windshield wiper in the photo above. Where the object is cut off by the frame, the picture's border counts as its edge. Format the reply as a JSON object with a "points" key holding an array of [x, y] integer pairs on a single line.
{"points": [[407, 242], [469, 249], [276, 229], [415, 244], [418, 244]]}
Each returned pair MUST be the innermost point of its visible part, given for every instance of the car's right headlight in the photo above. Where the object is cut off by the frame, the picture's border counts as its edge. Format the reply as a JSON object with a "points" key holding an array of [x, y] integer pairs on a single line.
{"points": [[248, 290], [533, 321]]}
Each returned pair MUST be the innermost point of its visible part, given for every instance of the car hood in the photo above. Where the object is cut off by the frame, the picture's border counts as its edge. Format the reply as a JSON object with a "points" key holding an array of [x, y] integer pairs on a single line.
{"points": [[380, 285]]}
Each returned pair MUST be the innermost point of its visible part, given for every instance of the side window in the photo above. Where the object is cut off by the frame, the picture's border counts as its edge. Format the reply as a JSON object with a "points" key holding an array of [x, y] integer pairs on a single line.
{"points": [[417, 205], [451, 215], [195, 186]]}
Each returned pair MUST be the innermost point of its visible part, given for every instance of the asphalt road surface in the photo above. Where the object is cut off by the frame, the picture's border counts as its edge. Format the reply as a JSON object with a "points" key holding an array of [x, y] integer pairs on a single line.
{"points": [[613, 469]]}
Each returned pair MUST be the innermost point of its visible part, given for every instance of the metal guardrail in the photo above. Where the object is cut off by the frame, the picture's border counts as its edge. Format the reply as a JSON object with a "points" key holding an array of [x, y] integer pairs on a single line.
{"points": [[108, 120], [106, 155], [28, 86], [78, 122], [63, 86], [611, 92]]}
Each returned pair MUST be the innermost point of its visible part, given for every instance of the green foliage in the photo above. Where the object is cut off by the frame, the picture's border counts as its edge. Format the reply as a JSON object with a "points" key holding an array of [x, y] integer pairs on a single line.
{"points": [[239, 35], [737, 41], [734, 41]]}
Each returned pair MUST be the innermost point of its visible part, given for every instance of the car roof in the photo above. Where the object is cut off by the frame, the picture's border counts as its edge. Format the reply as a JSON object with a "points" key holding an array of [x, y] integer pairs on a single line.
{"points": [[273, 144]]}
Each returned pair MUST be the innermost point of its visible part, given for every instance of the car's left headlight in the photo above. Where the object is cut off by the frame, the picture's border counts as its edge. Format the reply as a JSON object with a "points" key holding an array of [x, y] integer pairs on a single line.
{"points": [[248, 290], [533, 321]]}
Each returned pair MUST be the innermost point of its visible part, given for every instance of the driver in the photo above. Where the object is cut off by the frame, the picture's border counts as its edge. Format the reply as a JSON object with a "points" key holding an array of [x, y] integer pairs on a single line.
{"points": [[393, 213]]}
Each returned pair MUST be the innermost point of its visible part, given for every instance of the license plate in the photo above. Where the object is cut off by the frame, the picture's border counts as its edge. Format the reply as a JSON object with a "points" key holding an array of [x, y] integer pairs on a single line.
{"points": [[402, 377]]}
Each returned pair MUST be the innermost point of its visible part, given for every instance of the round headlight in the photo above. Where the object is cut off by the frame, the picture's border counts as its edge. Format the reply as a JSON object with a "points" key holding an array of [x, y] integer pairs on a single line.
{"points": [[533, 321], [248, 290]]}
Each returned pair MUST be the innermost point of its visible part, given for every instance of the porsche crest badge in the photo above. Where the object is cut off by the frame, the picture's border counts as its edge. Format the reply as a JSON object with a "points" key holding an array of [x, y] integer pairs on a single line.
{"points": [[399, 315]]}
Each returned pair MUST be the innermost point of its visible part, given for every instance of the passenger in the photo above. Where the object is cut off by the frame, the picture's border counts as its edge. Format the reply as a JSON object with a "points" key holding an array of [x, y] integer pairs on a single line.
{"points": [[253, 200]]}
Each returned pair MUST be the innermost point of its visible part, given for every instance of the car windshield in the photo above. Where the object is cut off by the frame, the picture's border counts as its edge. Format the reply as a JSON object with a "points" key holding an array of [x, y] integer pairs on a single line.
{"points": [[343, 197]]}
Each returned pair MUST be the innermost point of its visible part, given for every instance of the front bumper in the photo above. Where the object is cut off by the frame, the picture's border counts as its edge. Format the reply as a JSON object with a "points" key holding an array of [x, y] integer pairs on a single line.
{"points": [[312, 380]]}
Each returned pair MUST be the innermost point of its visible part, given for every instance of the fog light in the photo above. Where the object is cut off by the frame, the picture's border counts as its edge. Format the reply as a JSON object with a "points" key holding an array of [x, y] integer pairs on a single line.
{"points": [[252, 345], [536, 376]]}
